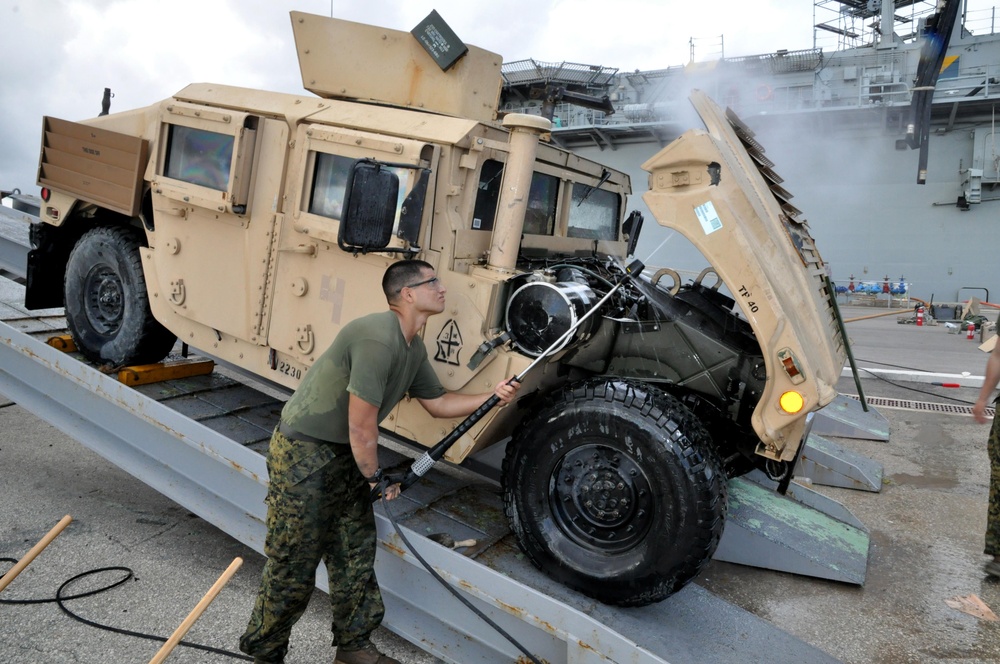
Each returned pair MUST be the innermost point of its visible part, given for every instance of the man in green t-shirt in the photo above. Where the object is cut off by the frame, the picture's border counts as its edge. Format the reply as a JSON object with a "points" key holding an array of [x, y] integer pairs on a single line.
{"points": [[323, 463]]}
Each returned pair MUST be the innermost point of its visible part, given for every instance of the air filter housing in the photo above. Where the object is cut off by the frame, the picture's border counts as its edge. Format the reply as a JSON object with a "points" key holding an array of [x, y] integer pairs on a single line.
{"points": [[540, 313]]}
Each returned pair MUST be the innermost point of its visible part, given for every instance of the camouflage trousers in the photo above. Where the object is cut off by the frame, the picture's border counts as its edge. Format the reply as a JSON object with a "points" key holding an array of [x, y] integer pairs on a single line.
{"points": [[993, 513], [318, 508]]}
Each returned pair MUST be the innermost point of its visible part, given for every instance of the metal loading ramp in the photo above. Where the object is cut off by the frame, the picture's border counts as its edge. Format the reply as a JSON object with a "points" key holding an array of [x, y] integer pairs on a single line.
{"points": [[766, 529], [563, 626], [14, 242], [824, 462], [196, 440], [846, 418]]}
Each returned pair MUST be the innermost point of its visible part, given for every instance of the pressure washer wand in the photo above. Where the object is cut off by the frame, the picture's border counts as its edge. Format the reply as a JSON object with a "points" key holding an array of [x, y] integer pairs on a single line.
{"points": [[424, 462]]}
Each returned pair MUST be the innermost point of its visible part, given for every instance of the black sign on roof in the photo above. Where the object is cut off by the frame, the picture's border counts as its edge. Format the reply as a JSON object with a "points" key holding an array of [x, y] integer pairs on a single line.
{"points": [[439, 41]]}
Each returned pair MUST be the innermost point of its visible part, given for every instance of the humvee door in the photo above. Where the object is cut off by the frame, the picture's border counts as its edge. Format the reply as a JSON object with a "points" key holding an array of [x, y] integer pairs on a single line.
{"points": [[216, 184]]}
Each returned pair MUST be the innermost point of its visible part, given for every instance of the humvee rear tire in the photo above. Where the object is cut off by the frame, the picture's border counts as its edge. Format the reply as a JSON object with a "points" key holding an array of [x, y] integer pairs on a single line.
{"points": [[614, 489], [107, 307]]}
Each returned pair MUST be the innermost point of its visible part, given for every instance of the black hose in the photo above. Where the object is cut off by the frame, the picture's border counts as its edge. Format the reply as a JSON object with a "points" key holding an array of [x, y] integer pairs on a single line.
{"points": [[907, 387], [60, 599], [500, 630]]}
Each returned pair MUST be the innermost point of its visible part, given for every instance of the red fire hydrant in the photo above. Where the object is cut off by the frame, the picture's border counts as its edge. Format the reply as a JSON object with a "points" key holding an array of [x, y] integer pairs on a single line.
{"points": [[920, 316]]}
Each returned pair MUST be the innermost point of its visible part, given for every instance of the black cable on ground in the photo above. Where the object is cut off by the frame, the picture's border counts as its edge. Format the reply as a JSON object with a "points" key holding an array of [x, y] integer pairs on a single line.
{"points": [[897, 366], [907, 387], [500, 630], [60, 600]]}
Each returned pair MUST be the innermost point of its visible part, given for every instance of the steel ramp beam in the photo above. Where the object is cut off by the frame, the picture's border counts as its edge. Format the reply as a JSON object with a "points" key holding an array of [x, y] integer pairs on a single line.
{"points": [[827, 463], [844, 417], [765, 529]]}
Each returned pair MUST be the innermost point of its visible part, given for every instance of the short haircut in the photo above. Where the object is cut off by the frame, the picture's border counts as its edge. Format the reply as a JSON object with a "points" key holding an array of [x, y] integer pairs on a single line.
{"points": [[401, 273]]}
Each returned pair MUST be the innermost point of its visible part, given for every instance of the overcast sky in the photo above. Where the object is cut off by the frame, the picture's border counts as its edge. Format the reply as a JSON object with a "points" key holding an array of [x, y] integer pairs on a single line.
{"points": [[57, 56]]}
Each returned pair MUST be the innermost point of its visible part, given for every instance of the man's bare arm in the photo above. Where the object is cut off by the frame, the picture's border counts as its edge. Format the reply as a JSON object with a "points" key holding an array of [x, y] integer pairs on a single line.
{"points": [[362, 420], [460, 405]]}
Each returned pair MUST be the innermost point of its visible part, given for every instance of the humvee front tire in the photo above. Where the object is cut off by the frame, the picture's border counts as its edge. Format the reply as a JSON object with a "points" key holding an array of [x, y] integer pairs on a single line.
{"points": [[613, 489], [107, 306]]}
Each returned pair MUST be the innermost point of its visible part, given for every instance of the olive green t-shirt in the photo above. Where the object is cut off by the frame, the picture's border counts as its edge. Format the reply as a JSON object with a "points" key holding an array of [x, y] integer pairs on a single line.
{"points": [[369, 359]]}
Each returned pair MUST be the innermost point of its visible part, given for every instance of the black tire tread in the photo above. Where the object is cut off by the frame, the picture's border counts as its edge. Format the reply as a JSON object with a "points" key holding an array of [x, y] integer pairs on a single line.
{"points": [[696, 456], [150, 341]]}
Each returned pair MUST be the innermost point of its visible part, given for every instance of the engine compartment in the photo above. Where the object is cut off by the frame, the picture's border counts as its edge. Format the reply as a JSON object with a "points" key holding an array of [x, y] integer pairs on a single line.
{"points": [[689, 340]]}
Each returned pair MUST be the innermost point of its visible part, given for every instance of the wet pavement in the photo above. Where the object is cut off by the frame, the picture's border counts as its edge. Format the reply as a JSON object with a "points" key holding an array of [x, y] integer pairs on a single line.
{"points": [[926, 523], [926, 529]]}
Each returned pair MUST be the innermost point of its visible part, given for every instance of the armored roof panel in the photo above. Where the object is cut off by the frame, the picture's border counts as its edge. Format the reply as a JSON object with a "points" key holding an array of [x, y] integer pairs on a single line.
{"points": [[346, 60]]}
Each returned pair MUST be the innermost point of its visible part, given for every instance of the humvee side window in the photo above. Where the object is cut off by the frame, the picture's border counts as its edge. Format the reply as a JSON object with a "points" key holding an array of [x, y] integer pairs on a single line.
{"points": [[540, 217], [593, 214], [329, 184], [199, 157]]}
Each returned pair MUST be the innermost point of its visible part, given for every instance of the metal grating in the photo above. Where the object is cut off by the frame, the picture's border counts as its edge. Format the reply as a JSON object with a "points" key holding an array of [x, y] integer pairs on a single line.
{"points": [[927, 406], [530, 71], [780, 62]]}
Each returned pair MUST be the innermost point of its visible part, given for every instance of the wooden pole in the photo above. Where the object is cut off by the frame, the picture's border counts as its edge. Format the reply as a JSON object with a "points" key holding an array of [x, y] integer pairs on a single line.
{"points": [[894, 312], [35, 550], [199, 609]]}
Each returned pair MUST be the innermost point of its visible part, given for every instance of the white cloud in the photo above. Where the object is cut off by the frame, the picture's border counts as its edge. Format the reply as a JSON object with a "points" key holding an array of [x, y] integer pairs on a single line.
{"points": [[59, 55]]}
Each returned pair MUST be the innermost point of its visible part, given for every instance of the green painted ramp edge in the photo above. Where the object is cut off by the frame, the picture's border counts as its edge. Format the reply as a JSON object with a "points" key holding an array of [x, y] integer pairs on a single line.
{"points": [[765, 529]]}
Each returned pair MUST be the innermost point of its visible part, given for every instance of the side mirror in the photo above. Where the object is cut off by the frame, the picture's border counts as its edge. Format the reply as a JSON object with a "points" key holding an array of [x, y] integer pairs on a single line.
{"points": [[369, 207], [631, 228]]}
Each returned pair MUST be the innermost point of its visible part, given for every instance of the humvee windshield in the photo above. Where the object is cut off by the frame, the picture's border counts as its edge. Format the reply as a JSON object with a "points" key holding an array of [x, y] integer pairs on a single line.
{"points": [[593, 213]]}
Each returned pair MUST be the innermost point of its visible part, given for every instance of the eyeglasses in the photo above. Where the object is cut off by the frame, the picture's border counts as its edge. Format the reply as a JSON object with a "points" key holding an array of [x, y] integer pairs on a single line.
{"points": [[433, 282]]}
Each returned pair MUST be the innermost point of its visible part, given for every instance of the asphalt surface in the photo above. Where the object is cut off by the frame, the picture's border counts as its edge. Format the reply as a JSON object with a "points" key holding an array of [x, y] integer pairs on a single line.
{"points": [[926, 526], [173, 555]]}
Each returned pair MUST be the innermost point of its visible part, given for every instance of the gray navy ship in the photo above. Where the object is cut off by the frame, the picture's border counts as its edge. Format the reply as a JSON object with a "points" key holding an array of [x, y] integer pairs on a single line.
{"points": [[838, 122]]}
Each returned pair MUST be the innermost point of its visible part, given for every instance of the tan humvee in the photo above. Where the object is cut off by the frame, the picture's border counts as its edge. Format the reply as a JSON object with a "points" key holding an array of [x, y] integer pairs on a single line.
{"points": [[252, 225]]}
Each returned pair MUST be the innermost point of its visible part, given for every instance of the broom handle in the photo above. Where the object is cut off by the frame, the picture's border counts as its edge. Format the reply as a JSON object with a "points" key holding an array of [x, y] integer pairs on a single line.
{"points": [[35, 550], [199, 609]]}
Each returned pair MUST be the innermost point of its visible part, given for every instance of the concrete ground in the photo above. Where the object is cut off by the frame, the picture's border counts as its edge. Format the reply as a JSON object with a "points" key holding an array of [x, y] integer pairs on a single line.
{"points": [[118, 521], [926, 528], [926, 523]]}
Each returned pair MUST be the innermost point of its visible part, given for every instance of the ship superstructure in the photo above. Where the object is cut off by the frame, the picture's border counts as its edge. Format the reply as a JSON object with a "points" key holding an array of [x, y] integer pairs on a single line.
{"points": [[842, 108]]}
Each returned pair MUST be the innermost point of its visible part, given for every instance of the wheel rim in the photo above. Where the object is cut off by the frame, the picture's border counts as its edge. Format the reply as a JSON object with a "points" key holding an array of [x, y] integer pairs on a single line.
{"points": [[105, 298], [601, 498]]}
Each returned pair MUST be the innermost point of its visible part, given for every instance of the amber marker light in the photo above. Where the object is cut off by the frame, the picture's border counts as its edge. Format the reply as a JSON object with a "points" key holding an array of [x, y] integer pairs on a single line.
{"points": [[791, 402]]}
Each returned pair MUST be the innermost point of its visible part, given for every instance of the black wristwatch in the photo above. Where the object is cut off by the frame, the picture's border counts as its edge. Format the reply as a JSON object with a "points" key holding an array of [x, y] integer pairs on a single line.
{"points": [[376, 478]]}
